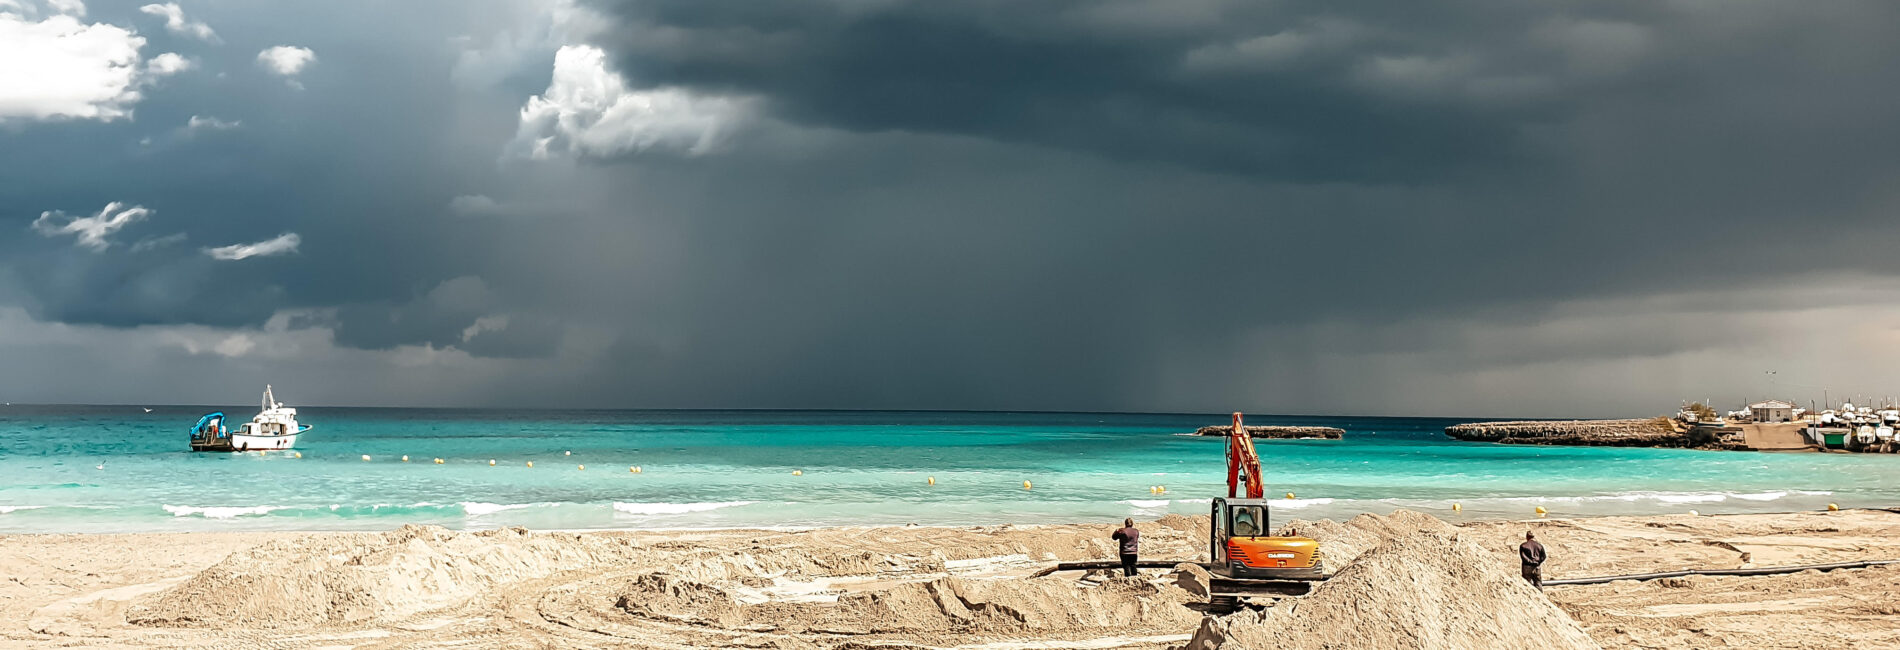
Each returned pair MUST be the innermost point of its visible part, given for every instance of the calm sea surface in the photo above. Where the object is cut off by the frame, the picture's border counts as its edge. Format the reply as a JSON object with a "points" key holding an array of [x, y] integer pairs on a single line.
{"points": [[117, 468]]}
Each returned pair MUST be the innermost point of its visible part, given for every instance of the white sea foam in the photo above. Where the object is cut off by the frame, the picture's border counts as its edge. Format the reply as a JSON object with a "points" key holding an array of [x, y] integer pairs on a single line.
{"points": [[675, 508], [220, 512], [1665, 497], [1145, 503], [8, 509], [1691, 498], [1298, 503], [477, 508]]}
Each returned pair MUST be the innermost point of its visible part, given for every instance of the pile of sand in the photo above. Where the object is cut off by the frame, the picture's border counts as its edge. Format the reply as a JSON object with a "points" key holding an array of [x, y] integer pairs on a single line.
{"points": [[943, 605], [1341, 543], [915, 583], [344, 579], [1428, 588]]}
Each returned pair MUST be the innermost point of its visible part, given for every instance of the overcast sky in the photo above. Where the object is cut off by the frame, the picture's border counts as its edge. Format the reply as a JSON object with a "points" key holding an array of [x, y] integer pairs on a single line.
{"points": [[1452, 208]]}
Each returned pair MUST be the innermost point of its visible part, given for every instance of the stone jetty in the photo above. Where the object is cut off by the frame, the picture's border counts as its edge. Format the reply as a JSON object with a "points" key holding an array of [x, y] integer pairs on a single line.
{"points": [[1282, 433], [1650, 432]]}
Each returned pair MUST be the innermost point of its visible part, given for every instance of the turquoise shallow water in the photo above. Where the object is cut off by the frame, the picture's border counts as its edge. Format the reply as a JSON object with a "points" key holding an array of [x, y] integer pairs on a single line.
{"points": [[720, 469]]}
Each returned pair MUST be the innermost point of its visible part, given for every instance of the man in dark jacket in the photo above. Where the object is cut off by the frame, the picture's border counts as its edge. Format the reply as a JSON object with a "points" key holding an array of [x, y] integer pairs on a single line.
{"points": [[1131, 544], [1531, 554]]}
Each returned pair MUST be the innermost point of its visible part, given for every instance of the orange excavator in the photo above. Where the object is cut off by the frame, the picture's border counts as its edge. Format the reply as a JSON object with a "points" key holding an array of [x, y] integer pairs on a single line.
{"points": [[1242, 544]]}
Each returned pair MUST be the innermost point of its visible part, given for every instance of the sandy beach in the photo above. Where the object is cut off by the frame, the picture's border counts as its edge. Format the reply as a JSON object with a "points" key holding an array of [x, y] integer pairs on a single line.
{"points": [[918, 587]]}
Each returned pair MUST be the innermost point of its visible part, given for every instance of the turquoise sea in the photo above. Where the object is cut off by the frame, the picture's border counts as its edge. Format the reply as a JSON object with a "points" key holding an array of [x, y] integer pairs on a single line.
{"points": [[118, 468]]}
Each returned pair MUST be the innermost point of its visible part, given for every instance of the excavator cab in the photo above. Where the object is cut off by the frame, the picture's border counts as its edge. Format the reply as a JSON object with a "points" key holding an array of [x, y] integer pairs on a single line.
{"points": [[1243, 545]]}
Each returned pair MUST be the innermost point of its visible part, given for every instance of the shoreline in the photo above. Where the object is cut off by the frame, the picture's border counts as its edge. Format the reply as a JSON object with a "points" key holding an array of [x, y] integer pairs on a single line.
{"points": [[1190, 500], [1277, 517], [1457, 510]]}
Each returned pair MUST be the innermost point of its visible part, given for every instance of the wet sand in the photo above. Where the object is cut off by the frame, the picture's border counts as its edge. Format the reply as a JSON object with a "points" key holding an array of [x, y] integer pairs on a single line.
{"points": [[900, 587]]}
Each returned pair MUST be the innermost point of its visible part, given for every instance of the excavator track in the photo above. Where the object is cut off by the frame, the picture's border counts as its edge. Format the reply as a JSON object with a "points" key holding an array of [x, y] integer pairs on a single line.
{"points": [[1227, 595]]}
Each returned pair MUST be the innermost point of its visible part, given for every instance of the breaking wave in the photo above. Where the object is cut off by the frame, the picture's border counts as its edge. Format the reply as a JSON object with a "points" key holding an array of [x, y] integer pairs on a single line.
{"points": [[477, 508], [220, 512]]}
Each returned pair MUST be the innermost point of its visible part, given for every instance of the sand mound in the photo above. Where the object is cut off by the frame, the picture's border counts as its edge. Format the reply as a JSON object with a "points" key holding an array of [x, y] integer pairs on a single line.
{"points": [[1428, 588], [340, 579], [943, 605], [1343, 542]]}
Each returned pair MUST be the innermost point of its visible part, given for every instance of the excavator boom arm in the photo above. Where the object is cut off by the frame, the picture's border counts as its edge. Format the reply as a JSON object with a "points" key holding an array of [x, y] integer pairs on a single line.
{"points": [[1243, 464]]}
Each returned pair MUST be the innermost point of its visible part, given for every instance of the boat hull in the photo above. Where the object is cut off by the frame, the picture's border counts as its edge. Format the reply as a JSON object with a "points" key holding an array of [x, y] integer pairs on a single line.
{"points": [[243, 442]]}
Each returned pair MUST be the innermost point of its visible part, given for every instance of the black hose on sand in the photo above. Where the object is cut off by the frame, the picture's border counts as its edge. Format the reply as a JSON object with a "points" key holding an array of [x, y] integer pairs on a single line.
{"points": [[1758, 571]]}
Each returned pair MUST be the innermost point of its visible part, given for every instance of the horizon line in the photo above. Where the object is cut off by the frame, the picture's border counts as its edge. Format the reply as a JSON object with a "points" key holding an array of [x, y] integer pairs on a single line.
{"points": [[833, 410]]}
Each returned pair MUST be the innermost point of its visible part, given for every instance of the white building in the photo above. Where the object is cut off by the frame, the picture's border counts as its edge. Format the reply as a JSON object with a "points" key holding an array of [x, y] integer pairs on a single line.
{"points": [[1773, 410]]}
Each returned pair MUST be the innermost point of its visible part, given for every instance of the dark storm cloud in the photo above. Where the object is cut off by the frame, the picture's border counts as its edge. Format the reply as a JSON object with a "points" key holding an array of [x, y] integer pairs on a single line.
{"points": [[1083, 205], [1500, 135], [463, 312], [1126, 80], [1286, 91], [1241, 168]]}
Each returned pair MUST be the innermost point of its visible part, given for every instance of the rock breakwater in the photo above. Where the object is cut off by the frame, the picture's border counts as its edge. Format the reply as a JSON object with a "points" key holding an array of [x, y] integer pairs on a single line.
{"points": [[1651, 432], [1278, 432]]}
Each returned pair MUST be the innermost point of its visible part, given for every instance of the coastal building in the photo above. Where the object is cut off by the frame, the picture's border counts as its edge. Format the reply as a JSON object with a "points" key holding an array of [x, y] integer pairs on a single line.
{"points": [[1773, 410]]}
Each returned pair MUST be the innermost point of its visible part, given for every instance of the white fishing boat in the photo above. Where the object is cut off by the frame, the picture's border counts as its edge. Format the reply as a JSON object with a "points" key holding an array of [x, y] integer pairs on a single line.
{"points": [[274, 427], [1865, 434]]}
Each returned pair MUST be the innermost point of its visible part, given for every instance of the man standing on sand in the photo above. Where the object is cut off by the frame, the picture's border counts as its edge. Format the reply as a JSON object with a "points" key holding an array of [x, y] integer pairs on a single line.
{"points": [[1131, 544], [1531, 554]]}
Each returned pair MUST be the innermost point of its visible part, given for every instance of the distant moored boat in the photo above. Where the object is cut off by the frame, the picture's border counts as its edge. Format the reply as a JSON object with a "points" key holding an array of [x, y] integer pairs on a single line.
{"points": [[274, 427]]}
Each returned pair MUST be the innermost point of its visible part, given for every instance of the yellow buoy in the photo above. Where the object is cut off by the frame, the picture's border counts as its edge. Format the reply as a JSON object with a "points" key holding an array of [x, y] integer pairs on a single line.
{"points": [[491, 462], [1693, 513], [1833, 508], [798, 472], [636, 469], [1541, 511], [366, 457], [438, 461], [931, 479], [1457, 507], [531, 463], [1289, 495], [633, 470], [567, 453], [581, 467], [1026, 485], [299, 454], [405, 459]]}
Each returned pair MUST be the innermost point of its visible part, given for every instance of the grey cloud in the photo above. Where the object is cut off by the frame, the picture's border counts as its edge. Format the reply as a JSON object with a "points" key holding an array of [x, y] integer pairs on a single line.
{"points": [[176, 22], [469, 205], [283, 244], [207, 123], [462, 312], [90, 232], [150, 243]]}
